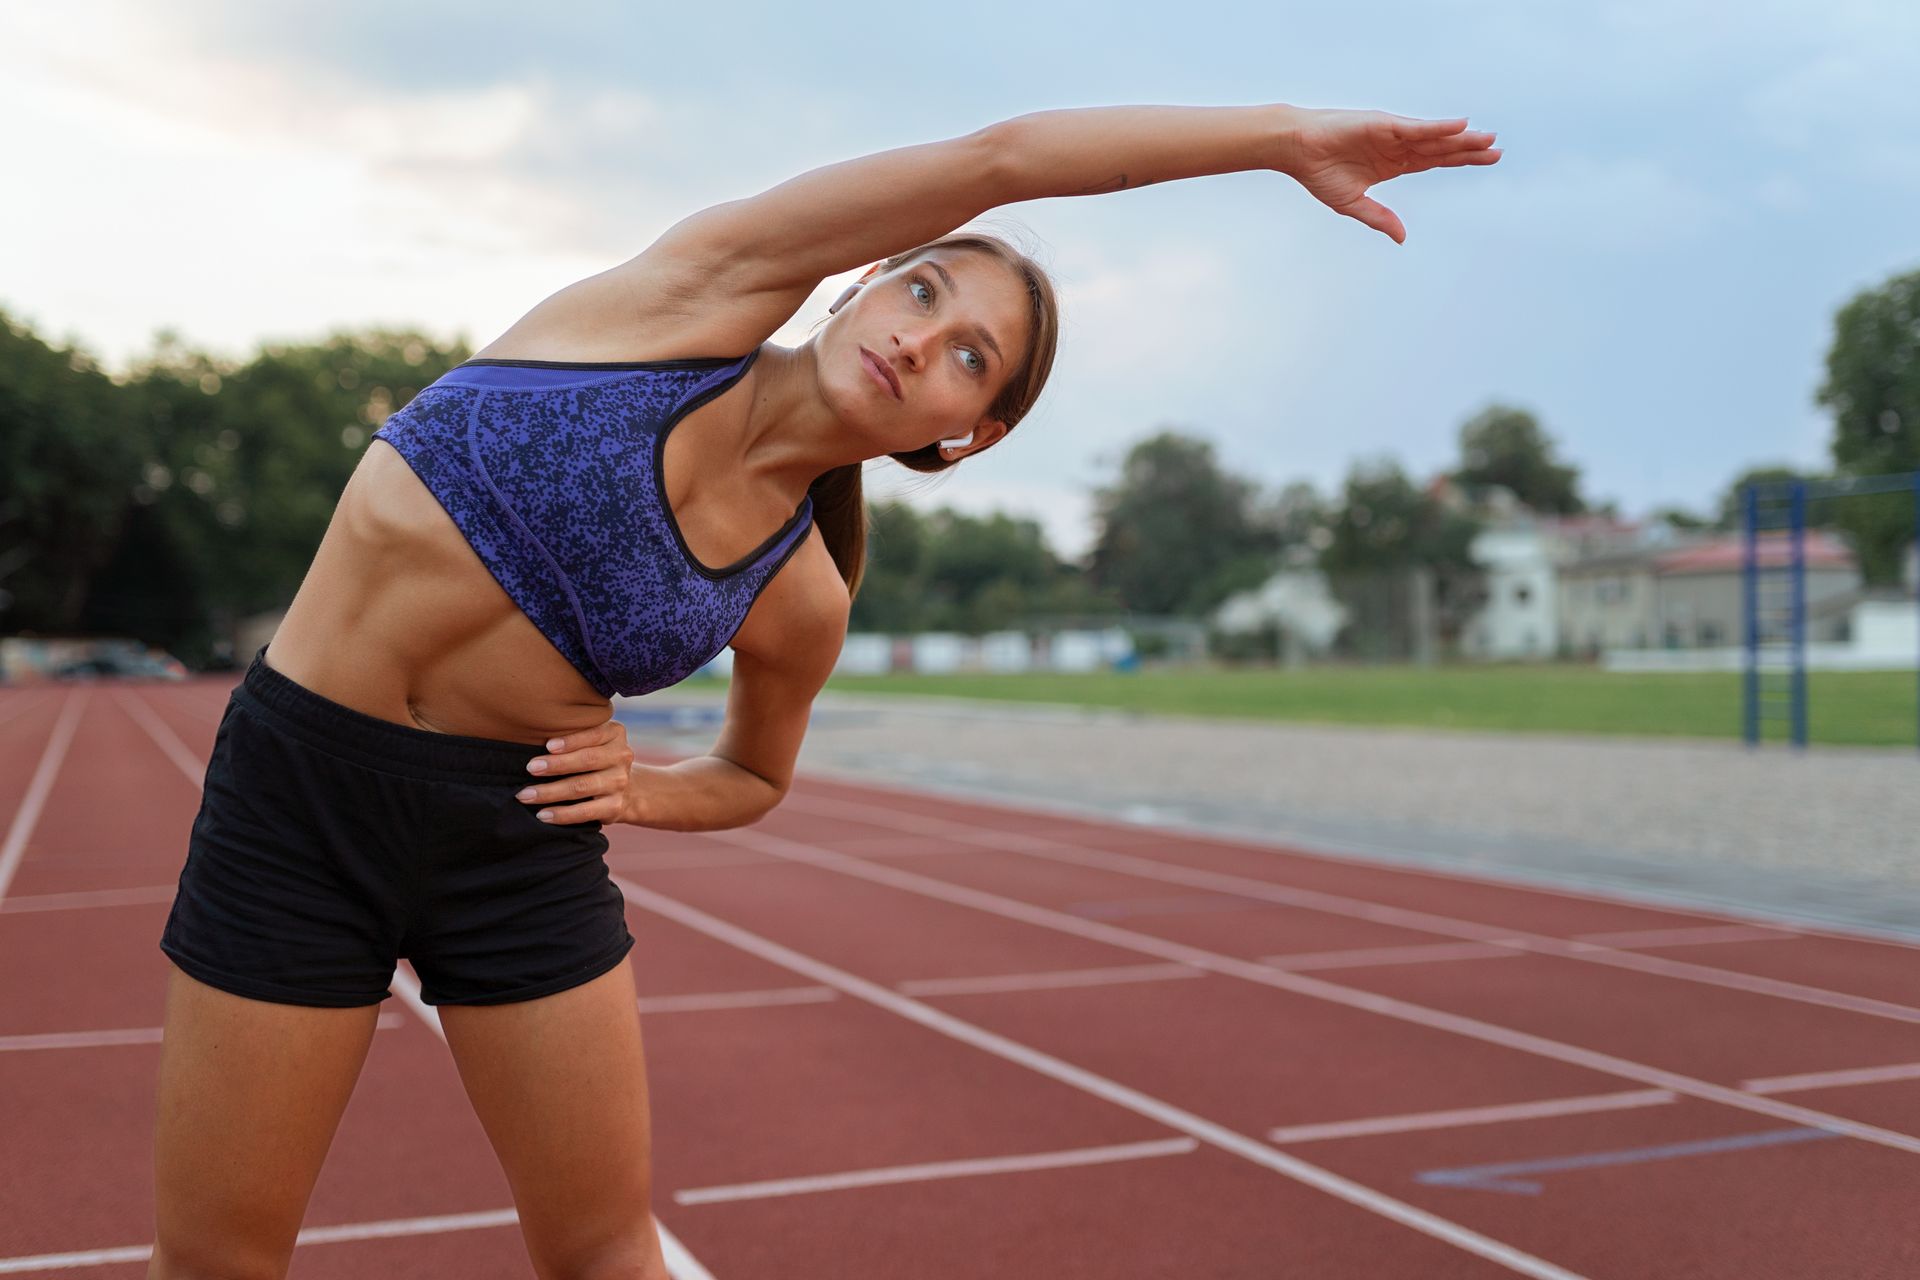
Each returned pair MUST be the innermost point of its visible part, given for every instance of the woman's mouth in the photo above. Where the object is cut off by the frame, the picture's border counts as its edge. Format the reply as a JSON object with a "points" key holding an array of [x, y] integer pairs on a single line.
{"points": [[882, 372]]}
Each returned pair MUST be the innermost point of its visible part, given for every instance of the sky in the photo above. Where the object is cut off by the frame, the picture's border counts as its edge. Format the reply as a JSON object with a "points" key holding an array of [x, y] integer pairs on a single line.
{"points": [[1688, 193]]}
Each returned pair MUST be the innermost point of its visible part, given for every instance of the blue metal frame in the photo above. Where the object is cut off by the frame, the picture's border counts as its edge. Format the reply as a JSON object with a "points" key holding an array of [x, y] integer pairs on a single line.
{"points": [[1764, 505], [1750, 601]]}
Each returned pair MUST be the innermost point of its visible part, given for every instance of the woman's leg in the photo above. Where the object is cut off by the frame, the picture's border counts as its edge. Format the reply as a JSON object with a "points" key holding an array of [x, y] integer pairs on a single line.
{"points": [[560, 1085], [250, 1095]]}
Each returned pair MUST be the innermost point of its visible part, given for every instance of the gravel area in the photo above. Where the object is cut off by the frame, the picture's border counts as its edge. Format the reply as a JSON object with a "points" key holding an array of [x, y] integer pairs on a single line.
{"points": [[1829, 835]]}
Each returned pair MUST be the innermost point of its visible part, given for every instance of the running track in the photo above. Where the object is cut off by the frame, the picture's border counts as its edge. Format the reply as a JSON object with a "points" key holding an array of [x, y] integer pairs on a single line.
{"points": [[892, 1035]]}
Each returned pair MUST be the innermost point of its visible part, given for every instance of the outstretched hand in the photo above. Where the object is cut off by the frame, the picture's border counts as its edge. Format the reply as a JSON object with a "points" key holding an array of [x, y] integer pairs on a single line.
{"points": [[1337, 155]]}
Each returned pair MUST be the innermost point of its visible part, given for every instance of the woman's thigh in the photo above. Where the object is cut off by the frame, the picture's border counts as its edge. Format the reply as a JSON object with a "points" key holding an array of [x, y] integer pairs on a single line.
{"points": [[560, 1085], [250, 1095]]}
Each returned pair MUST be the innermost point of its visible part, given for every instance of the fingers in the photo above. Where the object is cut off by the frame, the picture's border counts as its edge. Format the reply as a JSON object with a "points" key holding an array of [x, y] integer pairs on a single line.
{"points": [[601, 795], [1379, 217], [594, 748], [1410, 128]]}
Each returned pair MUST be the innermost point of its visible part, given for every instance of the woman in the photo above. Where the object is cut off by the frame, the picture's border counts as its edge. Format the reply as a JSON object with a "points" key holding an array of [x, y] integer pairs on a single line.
{"points": [[531, 534]]}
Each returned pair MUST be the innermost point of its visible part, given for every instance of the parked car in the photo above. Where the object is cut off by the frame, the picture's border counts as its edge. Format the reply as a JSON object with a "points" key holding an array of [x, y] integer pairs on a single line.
{"points": [[153, 665]]}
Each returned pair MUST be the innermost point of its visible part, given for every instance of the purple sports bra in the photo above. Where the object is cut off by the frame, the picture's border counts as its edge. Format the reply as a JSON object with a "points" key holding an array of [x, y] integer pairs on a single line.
{"points": [[552, 471]]}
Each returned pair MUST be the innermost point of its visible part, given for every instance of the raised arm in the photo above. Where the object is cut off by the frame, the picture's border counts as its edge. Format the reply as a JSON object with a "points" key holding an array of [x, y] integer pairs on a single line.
{"points": [[845, 215], [758, 258]]}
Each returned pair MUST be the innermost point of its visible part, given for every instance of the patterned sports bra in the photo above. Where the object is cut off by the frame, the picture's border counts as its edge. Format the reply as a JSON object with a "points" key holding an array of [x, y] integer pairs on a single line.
{"points": [[552, 471]]}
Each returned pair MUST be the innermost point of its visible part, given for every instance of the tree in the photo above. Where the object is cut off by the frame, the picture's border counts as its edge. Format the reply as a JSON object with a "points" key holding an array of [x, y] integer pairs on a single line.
{"points": [[1873, 388], [1177, 534], [1388, 538], [950, 571], [1505, 446], [1386, 523], [1733, 501], [70, 453]]}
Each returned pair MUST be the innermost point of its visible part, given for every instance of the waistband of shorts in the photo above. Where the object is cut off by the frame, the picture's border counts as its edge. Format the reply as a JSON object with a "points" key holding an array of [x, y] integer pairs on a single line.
{"points": [[380, 744]]}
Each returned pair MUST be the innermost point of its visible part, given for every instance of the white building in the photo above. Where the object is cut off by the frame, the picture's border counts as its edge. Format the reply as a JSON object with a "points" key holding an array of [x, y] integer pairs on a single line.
{"points": [[1522, 557]]}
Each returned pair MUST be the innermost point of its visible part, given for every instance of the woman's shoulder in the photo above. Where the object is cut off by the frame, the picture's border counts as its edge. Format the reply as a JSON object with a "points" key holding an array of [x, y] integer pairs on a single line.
{"points": [[649, 308]]}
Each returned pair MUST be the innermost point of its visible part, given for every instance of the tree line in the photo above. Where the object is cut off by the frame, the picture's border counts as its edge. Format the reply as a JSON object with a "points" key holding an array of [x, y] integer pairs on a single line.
{"points": [[168, 501]]}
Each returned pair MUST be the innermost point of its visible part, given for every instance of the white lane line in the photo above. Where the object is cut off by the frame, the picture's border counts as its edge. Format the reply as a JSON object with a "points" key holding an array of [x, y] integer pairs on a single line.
{"points": [[701, 1002], [124, 1035], [308, 1235], [21, 705], [1579, 1105], [14, 848], [1450, 869], [700, 856], [681, 1263], [1107, 976], [1334, 904], [1364, 957], [89, 898], [1415, 1121], [938, 1170], [1833, 1079], [168, 741], [1315, 988], [1099, 1086], [1706, 935]]}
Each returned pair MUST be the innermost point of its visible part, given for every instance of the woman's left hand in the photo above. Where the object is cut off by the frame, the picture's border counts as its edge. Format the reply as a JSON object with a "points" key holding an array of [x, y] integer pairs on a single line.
{"points": [[598, 768], [1336, 155]]}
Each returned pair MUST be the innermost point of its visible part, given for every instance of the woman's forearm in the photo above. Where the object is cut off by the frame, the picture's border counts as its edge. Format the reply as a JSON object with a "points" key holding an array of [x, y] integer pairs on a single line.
{"points": [[706, 793], [1085, 151], [846, 215]]}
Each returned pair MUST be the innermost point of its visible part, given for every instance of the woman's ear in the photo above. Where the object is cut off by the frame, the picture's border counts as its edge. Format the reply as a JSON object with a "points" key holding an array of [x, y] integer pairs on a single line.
{"points": [[854, 288], [989, 430]]}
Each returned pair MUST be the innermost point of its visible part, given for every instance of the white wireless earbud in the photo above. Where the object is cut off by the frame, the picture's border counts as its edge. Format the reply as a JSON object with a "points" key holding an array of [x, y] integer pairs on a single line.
{"points": [[959, 444]]}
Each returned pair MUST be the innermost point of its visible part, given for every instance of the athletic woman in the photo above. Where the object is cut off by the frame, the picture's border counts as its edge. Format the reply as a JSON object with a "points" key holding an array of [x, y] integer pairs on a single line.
{"points": [[420, 763]]}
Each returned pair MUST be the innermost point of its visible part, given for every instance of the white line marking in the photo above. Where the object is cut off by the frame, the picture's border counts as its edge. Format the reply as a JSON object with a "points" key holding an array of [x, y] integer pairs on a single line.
{"points": [[24, 818], [1833, 1079], [937, 1170], [1418, 1120], [682, 857], [1047, 981], [1277, 842], [89, 898], [1099, 1086], [308, 1235], [1316, 988], [1334, 904], [1706, 935], [125, 1035], [1364, 957], [163, 736], [681, 1263], [702, 1002]]}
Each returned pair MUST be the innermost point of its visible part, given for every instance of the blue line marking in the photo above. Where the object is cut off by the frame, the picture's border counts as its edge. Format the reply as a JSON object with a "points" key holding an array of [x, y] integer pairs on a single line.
{"points": [[1501, 1177]]}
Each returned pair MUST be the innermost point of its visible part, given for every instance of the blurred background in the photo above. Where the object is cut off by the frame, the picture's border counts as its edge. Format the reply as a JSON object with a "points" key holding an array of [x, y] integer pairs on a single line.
{"points": [[1286, 469]]}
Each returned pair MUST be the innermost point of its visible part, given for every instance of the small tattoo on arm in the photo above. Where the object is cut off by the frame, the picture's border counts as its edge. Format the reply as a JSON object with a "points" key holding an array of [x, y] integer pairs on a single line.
{"points": [[1116, 183]]}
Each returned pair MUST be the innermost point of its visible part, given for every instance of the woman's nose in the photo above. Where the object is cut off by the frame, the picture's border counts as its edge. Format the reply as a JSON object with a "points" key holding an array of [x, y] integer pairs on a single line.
{"points": [[911, 348]]}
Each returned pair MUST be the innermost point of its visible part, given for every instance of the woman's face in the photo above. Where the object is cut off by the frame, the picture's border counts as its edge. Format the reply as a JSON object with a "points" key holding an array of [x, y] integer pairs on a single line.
{"points": [[950, 327]]}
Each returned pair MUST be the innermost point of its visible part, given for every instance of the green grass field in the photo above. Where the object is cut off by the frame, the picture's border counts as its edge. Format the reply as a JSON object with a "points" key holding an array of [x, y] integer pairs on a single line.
{"points": [[1874, 708]]}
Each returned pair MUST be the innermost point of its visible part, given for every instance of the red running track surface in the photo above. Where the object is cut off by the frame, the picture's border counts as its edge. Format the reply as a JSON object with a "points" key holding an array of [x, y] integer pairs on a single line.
{"points": [[900, 1035]]}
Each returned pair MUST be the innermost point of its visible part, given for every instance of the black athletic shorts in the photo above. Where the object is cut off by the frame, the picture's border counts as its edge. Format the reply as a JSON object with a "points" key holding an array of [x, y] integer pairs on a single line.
{"points": [[331, 843]]}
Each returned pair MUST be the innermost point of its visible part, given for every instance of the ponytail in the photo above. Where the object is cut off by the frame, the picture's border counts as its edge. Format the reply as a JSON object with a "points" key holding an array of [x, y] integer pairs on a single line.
{"points": [[840, 513]]}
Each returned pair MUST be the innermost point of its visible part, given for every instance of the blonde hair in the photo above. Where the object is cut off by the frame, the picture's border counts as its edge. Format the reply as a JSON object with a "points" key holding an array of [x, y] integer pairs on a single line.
{"points": [[839, 503]]}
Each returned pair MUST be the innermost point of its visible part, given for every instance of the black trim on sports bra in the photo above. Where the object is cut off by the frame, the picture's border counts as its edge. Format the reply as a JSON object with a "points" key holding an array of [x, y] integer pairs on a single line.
{"points": [[666, 508], [700, 362]]}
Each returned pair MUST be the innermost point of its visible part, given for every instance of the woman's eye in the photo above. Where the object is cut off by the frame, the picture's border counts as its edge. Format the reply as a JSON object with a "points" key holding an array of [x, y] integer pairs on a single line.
{"points": [[922, 285], [979, 362]]}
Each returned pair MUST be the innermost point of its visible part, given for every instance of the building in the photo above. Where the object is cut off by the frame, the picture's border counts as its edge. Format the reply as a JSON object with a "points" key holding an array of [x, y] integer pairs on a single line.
{"points": [[1523, 558]]}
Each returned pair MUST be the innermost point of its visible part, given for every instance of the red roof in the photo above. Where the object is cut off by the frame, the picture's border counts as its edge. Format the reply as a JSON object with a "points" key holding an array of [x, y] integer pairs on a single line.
{"points": [[1728, 555]]}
